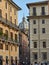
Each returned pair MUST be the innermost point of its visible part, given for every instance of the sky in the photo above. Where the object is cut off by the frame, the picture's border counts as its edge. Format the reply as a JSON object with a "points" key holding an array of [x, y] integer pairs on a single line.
{"points": [[22, 5]]}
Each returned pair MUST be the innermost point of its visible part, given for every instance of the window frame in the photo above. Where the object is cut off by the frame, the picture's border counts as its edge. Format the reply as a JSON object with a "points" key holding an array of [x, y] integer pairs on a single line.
{"points": [[35, 31], [44, 44], [35, 44], [34, 21], [43, 30], [34, 11]]}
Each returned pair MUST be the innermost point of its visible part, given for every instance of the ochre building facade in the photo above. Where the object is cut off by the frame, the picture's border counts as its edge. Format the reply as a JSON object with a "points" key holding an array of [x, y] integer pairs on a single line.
{"points": [[9, 45]]}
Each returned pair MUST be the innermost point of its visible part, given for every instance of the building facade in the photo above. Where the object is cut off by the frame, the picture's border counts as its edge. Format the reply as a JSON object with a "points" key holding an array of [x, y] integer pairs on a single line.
{"points": [[39, 32], [9, 46], [23, 49]]}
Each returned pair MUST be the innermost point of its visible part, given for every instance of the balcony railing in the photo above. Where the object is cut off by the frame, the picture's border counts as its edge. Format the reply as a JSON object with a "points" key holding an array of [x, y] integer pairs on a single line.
{"points": [[7, 39], [8, 23]]}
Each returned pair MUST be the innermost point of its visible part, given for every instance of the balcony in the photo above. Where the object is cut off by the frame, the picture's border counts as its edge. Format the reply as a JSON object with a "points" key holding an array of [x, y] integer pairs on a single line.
{"points": [[5, 38], [8, 23]]}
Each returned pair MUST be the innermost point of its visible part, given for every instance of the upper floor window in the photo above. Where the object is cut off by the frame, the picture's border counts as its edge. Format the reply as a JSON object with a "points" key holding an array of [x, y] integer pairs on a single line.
{"points": [[1, 46], [34, 11], [15, 37], [12, 60], [6, 34], [11, 19], [44, 44], [35, 30], [43, 30], [43, 21], [11, 36], [6, 59], [6, 5], [16, 60], [0, 13], [1, 32], [44, 55], [43, 10], [34, 21], [6, 17], [35, 44], [35, 56]]}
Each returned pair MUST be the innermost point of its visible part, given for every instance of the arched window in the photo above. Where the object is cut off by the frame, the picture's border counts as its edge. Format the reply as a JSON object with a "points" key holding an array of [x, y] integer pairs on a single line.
{"points": [[6, 34], [11, 36], [6, 59], [15, 37]]}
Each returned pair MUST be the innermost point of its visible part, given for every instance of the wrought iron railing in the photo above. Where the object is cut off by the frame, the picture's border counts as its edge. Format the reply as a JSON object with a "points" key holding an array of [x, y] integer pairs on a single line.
{"points": [[7, 39], [8, 23]]}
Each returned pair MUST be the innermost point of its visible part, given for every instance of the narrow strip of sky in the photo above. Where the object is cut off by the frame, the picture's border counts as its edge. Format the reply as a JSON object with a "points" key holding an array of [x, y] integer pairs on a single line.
{"points": [[24, 11]]}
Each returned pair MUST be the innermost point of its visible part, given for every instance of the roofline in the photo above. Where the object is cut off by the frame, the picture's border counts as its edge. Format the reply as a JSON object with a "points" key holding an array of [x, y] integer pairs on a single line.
{"points": [[37, 3], [14, 4], [38, 17]]}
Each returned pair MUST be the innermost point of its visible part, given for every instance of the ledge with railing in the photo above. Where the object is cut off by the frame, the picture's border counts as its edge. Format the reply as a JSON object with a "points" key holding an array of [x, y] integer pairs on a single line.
{"points": [[5, 38], [8, 23]]}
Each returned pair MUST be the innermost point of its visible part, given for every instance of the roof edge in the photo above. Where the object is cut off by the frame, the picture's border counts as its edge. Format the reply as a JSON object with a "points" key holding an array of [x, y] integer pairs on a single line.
{"points": [[14, 4], [37, 3]]}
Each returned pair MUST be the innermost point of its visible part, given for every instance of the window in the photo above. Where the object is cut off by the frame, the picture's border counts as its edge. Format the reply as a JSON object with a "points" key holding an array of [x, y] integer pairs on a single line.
{"points": [[16, 60], [6, 59], [11, 60], [43, 10], [35, 31], [35, 56], [6, 17], [34, 21], [43, 21], [0, 13], [35, 44], [16, 37], [1, 46], [6, 5], [6, 34], [11, 36], [11, 19], [44, 44], [44, 55], [6, 47], [34, 11], [1, 32], [43, 30]]}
